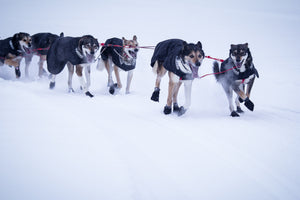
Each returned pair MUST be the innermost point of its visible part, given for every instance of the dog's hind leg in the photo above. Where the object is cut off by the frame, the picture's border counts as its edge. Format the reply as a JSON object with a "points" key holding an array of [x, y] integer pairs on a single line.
{"points": [[160, 71], [70, 77], [129, 79], [109, 69], [52, 81], [229, 92], [42, 71], [117, 74]]}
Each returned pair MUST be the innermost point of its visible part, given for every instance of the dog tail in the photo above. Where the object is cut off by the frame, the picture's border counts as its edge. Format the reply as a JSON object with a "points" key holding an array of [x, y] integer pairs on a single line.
{"points": [[216, 70], [100, 64]]}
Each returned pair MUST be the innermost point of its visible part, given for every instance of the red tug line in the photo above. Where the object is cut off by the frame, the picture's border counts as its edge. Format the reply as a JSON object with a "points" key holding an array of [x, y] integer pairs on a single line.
{"points": [[147, 47]]}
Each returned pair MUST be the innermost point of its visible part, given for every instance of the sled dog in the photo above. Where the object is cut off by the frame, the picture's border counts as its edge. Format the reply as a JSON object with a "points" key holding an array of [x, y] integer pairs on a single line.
{"points": [[78, 51], [182, 61], [118, 54], [12, 50], [239, 71]]}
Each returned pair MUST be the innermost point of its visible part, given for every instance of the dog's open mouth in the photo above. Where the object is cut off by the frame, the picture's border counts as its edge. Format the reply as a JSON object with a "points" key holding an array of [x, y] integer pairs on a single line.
{"points": [[194, 70], [26, 50], [132, 53], [239, 64], [90, 58]]}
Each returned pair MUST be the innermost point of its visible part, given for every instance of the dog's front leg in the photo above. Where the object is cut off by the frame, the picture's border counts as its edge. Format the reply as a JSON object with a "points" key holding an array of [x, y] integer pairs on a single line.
{"points": [[188, 97], [173, 81], [28, 59], [243, 97], [175, 95], [129, 79], [70, 77], [82, 82], [87, 72], [249, 87]]}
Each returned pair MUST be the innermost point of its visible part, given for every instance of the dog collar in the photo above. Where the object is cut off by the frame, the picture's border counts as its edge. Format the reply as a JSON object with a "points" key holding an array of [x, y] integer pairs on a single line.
{"points": [[78, 53], [11, 45]]}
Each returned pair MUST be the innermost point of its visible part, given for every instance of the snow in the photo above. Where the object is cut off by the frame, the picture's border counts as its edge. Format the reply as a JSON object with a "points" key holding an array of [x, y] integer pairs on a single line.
{"points": [[60, 145]]}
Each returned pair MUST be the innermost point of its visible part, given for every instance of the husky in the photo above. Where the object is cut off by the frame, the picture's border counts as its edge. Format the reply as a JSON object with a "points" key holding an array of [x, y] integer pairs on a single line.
{"points": [[79, 51], [118, 54], [237, 71], [182, 61], [41, 43], [13, 49]]}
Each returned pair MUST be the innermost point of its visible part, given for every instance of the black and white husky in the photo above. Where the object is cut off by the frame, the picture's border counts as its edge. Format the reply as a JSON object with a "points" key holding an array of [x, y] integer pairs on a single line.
{"points": [[182, 61], [236, 72], [78, 51]]}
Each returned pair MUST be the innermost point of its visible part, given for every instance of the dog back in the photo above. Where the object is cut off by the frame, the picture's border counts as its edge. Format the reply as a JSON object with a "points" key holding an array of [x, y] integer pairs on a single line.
{"points": [[62, 50]]}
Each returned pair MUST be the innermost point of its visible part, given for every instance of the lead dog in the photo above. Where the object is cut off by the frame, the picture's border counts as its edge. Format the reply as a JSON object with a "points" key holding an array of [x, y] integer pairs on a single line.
{"points": [[12, 50], [79, 51], [41, 43], [236, 72], [118, 54], [182, 61]]}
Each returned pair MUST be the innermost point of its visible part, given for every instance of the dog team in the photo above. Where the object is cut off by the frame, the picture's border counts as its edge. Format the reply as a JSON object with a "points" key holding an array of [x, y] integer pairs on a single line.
{"points": [[181, 60]]}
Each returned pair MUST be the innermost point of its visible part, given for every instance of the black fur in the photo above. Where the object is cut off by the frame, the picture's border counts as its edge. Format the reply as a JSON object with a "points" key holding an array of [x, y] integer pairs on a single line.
{"points": [[65, 49]]}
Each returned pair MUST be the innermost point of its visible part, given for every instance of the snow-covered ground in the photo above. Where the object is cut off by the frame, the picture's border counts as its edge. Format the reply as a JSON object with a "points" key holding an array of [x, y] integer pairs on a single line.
{"points": [[57, 145]]}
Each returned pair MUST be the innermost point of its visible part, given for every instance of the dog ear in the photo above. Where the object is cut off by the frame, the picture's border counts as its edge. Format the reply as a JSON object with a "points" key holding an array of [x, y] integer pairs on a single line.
{"points": [[199, 44], [80, 43], [246, 44], [134, 38], [62, 34]]}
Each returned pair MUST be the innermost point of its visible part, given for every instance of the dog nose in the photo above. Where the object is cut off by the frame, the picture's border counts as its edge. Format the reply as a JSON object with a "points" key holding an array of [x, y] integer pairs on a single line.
{"points": [[198, 63], [136, 50], [29, 44]]}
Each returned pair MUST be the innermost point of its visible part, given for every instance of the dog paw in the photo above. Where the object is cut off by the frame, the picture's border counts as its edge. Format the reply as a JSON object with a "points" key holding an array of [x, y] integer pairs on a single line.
{"points": [[71, 90], [89, 94], [18, 72], [234, 114], [112, 88], [155, 95], [52, 85], [167, 110], [239, 110], [241, 100], [181, 111], [249, 104], [175, 107]]}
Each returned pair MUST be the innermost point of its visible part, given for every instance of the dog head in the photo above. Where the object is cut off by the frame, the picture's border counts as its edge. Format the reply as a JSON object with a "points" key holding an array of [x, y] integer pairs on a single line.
{"points": [[22, 41], [240, 54], [88, 45], [193, 55], [131, 48]]}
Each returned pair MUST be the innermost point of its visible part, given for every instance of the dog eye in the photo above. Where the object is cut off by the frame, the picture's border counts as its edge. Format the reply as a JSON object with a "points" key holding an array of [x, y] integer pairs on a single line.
{"points": [[24, 40], [200, 56], [192, 56]]}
